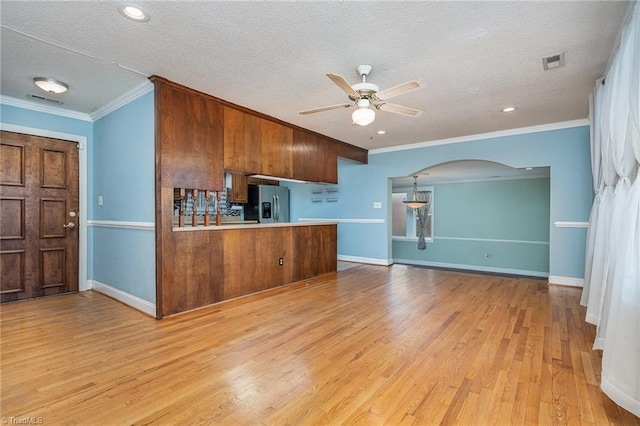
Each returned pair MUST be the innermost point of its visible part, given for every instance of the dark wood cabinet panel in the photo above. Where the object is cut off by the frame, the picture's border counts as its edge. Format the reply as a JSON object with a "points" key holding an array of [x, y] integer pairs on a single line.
{"points": [[188, 264], [251, 260], [316, 249], [314, 158], [353, 153], [239, 189], [189, 138], [277, 150], [242, 134]]}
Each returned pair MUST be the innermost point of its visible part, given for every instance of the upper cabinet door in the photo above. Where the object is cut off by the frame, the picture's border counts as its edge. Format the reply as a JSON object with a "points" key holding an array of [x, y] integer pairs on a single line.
{"points": [[277, 149], [188, 138], [242, 141], [314, 158]]}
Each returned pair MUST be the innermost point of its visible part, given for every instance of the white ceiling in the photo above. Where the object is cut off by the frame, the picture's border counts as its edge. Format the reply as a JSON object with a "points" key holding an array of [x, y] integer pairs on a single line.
{"points": [[272, 57]]}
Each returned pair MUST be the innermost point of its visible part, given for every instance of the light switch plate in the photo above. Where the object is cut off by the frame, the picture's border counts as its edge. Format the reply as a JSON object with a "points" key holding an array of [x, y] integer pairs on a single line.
{"points": [[377, 205]]}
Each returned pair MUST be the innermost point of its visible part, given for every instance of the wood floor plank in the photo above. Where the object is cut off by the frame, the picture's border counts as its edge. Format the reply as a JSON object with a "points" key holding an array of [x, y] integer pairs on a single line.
{"points": [[367, 345]]}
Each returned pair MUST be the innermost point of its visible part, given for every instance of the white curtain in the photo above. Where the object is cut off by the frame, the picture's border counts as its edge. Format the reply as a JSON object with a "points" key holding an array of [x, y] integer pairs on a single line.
{"points": [[612, 270], [595, 112]]}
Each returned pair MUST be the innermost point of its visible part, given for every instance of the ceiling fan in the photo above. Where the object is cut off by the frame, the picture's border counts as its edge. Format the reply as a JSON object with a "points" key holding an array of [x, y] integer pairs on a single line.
{"points": [[365, 95]]}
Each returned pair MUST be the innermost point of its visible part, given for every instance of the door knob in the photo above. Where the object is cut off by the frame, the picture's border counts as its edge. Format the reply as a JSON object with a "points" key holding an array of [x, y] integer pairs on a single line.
{"points": [[69, 225]]}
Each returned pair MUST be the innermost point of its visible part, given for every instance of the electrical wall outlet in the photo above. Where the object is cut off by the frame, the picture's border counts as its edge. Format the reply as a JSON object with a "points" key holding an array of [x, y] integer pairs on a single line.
{"points": [[100, 200], [281, 261], [377, 205]]}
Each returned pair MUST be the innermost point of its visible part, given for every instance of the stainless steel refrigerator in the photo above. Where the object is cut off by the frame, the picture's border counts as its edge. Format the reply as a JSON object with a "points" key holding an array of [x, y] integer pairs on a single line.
{"points": [[268, 204]]}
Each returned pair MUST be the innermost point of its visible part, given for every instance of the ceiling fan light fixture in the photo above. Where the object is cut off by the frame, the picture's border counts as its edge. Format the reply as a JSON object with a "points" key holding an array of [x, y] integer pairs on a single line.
{"points": [[51, 85], [363, 116]]}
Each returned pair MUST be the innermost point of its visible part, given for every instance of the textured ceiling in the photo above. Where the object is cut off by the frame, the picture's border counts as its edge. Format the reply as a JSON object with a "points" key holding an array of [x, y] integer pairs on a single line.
{"points": [[476, 57]]}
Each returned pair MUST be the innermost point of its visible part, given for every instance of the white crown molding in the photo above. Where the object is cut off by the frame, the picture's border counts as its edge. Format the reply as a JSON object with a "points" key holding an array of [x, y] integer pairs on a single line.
{"points": [[145, 226], [124, 297], [133, 94], [34, 106], [480, 136]]}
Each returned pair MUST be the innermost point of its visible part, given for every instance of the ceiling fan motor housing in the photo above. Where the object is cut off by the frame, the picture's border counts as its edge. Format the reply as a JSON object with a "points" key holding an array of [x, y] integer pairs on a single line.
{"points": [[365, 90]]}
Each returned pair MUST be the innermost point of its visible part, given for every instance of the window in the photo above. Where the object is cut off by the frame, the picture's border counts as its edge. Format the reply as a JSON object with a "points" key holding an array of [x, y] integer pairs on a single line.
{"points": [[404, 220]]}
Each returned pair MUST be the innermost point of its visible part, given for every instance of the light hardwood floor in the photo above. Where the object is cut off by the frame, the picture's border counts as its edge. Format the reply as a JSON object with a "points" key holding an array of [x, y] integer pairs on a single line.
{"points": [[367, 345]]}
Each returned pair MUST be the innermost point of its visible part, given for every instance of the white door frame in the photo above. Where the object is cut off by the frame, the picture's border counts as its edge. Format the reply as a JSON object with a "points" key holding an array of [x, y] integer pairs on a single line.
{"points": [[83, 284]]}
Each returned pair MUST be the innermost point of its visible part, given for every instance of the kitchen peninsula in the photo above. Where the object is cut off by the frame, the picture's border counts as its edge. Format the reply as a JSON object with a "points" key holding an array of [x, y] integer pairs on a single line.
{"points": [[198, 139]]}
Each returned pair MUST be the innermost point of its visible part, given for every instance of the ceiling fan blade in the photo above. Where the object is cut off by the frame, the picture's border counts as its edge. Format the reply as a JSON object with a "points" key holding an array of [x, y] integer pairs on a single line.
{"points": [[400, 109], [400, 89], [326, 108], [344, 85]]}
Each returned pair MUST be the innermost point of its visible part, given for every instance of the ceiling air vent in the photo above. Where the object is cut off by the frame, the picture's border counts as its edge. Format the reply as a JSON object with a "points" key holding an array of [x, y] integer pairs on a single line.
{"points": [[553, 61], [43, 99]]}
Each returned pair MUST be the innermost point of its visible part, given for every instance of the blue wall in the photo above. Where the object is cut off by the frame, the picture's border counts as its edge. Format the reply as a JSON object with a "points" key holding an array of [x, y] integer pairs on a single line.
{"points": [[565, 151], [500, 226], [124, 169]]}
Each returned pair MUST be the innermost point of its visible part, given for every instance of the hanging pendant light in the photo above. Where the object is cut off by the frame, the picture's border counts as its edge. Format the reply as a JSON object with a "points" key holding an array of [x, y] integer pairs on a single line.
{"points": [[414, 203]]}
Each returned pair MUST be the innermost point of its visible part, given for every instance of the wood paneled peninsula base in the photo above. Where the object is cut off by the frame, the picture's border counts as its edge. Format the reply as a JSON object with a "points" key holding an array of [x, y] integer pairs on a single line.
{"points": [[215, 263]]}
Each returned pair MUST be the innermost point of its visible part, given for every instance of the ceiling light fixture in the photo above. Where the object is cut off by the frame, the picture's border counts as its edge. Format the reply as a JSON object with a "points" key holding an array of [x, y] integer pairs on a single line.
{"points": [[134, 13], [363, 115], [51, 85], [381, 132], [509, 109], [414, 203]]}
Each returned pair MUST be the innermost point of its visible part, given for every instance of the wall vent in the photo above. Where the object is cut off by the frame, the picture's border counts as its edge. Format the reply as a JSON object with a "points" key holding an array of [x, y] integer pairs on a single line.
{"points": [[553, 61], [43, 99]]}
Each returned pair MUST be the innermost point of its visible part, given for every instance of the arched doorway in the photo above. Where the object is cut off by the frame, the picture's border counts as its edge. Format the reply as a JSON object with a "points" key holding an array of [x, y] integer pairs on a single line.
{"points": [[485, 216]]}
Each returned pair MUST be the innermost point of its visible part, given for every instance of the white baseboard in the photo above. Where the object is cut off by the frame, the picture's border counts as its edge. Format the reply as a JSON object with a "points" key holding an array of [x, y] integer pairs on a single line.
{"points": [[124, 297], [568, 281], [368, 260], [473, 268]]}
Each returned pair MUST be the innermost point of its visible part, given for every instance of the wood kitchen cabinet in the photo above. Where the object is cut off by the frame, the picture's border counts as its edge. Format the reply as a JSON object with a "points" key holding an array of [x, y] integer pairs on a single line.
{"points": [[251, 260], [315, 248], [314, 158], [252, 256], [277, 149], [189, 138], [239, 189], [242, 146]]}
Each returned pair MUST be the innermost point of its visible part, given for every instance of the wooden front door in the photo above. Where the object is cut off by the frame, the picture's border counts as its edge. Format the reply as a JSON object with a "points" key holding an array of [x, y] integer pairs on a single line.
{"points": [[38, 216]]}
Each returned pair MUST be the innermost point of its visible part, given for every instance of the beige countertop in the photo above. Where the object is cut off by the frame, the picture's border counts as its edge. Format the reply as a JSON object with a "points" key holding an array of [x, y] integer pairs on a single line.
{"points": [[249, 225]]}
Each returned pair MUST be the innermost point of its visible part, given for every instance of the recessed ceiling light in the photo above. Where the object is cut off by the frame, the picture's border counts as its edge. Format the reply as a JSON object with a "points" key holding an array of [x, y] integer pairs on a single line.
{"points": [[134, 13], [381, 132], [51, 85], [509, 109]]}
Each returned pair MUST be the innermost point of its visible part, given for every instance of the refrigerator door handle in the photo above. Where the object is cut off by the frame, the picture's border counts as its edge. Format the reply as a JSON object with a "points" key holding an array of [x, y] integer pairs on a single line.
{"points": [[277, 208]]}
